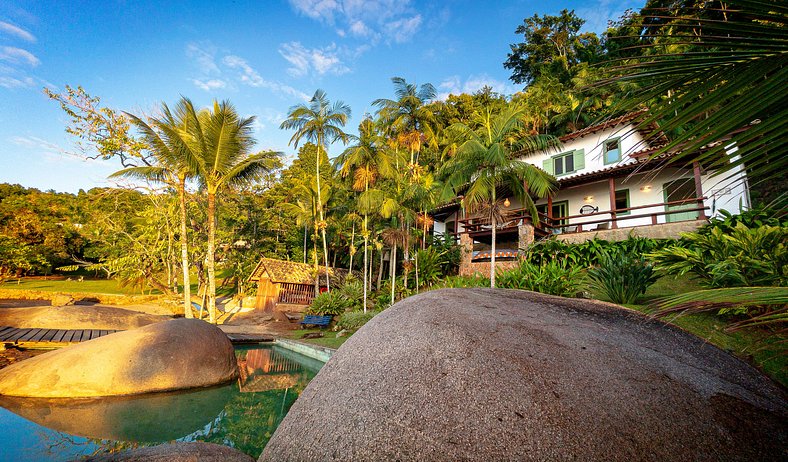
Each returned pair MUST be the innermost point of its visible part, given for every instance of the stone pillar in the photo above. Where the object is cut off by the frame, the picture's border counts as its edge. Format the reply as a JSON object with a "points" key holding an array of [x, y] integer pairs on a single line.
{"points": [[466, 254], [525, 234]]}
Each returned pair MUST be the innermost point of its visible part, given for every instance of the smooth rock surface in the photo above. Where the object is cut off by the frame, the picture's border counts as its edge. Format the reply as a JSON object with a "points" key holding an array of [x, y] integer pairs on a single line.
{"points": [[177, 452], [481, 374], [171, 355], [77, 317]]}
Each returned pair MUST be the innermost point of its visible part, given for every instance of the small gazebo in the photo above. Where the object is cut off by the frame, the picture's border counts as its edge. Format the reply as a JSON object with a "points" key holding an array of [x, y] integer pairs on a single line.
{"points": [[281, 281]]}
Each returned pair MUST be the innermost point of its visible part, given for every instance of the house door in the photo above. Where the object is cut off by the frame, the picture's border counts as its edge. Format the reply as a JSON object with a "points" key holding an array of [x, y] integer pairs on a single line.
{"points": [[560, 209], [267, 294], [676, 191]]}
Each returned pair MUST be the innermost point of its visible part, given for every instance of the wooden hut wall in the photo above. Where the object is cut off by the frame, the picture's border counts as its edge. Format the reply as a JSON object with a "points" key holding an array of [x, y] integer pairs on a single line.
{"points": [[267, 294], [297, 294]]}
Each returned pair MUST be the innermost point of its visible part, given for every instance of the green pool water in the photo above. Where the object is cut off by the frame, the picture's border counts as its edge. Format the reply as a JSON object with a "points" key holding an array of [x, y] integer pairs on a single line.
{"points": [[243, 414]]}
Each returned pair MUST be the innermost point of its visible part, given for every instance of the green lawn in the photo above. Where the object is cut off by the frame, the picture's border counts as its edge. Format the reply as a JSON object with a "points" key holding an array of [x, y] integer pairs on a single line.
{"points": [[329, 340], [756, 346], [97, 286]]}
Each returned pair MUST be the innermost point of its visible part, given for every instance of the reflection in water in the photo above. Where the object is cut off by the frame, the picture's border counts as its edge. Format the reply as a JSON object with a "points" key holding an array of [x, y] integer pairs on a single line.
{"points": [[243, 415]]}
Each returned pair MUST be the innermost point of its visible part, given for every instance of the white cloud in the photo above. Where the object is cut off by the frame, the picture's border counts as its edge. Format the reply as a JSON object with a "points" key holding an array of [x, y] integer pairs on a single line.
{"points": [[389, 20], [251, 77], [17, 32], [11, 82], [32, 142], [454, 86], [318, 60], [18, 56], [204, 54], [209, 85]]}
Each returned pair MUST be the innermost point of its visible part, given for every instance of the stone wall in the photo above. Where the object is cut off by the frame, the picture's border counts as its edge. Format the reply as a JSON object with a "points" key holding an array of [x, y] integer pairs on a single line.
{"points": [[660, 231], [469, 268]]}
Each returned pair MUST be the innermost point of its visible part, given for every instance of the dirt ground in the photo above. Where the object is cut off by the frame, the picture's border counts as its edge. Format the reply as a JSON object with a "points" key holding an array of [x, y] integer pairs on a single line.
{"points": [[14, 355]]}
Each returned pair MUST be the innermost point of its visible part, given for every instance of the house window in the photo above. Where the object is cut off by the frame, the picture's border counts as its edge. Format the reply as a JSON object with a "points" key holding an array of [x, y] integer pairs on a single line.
{"points": [[564, 163], [612, 150], [622, 201]]}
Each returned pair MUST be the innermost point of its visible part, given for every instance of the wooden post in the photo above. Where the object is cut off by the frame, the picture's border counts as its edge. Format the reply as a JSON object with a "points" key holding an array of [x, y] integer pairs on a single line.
{"points": [[698, 190], [550, 207], [611, 186]]}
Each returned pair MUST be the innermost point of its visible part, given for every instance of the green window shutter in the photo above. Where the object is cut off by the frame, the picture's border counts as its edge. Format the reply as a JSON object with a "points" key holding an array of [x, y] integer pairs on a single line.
{"points": [[547, 165], [580, 159]]}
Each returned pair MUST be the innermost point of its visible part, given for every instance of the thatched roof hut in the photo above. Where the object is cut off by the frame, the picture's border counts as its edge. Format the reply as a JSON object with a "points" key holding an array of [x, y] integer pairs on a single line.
{"points": [[281, 281]]}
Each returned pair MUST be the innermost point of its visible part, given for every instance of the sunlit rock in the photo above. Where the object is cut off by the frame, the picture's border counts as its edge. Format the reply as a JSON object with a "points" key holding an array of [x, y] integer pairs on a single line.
{"points": [[480, 374], [171, 355], [76, 317]]}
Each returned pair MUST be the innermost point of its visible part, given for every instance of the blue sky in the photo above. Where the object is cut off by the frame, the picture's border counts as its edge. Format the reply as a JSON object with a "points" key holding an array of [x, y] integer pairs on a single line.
{"points": [[263, 56]]}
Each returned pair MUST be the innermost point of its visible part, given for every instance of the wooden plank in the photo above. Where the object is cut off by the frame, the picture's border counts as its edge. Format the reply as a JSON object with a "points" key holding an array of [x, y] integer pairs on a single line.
{"points": [[95, 333], [17, 334], [41, 333], [59, 335], [7, 333], [5, 329], [49, 335], [28, 335], [103, 333], [69, 336]]}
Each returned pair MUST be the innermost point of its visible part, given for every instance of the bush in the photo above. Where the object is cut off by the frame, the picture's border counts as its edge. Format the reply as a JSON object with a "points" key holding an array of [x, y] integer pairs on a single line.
{"points": [[622, 278], [430, 265], [353, 320], [742, 257], [329, 304], [353, 292], [589, 252], [554, 277], [752, 218], [458, 282]]}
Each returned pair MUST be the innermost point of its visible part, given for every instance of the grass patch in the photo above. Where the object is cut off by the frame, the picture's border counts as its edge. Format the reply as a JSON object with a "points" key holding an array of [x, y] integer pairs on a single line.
{"points": [[760, 347], [97, 286], [329, 339]]}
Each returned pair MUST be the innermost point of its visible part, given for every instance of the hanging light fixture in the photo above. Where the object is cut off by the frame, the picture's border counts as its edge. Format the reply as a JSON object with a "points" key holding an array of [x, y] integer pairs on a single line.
{"points": [[506, 202]]}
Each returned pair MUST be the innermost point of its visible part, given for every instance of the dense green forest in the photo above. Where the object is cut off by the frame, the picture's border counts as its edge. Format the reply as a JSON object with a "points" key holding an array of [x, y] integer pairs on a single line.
{"points": [[195, 168]]}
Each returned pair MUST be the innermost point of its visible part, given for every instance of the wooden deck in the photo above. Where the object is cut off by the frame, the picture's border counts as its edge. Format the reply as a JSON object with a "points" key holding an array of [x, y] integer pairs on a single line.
{"points": [[56, 338], [48, 338]]}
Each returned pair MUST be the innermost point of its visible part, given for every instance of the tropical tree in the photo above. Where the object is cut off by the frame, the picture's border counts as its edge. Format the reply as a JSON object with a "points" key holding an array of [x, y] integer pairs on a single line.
{"points": [[224, 143], [487, 160], [368, 162], [714, 77], [319, 122], [408, 117], [175, 163]]}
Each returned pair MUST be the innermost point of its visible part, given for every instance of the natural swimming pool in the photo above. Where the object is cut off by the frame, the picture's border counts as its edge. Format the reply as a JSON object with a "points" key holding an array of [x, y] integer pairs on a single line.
{"points": [[242, 414]]}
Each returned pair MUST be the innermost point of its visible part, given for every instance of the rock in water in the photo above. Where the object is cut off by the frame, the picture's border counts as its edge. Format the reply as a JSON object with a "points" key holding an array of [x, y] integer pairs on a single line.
{"points": [[176, 452], [171, 355], [483, 374]]}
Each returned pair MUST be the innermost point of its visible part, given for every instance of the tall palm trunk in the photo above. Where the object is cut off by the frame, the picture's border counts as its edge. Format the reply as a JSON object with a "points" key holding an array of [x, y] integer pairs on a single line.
{"points": [[393, 270], [320, 209], [352, 248], [187, 290], [210, 257], [315, 259], [492, 254], [366, 241], [380, 269], [306, 252]]}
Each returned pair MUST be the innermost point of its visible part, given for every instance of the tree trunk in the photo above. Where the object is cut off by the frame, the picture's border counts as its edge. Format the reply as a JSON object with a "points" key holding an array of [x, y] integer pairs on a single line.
{"points": [[306, 252], [352, 247], [393, 270], [380, 269], [492, 255], [210, 257], [187, 294], [366, 269], [317, 271], [416, 259], [320, 210]]}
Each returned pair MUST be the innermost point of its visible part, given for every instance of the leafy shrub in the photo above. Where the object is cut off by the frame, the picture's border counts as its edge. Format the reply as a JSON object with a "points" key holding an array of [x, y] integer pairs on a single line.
{"points": [[353, 320], [589, 252], [430, 267], [329, 303], [752, 218], [556, 277], [458, 282], [742, 257], [353, 292], [622, 278]]}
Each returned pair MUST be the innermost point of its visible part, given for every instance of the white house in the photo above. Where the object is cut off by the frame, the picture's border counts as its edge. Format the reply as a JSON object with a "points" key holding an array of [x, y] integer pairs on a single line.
{"points": [[608, 188]]}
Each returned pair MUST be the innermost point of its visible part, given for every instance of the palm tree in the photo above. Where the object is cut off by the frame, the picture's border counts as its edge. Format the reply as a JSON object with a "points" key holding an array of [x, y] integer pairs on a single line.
{"points": [[408, 117], [302, 202], [486, 160], [714, 77], [167, 139], [368, 163], [320, 122], [224, 142]]}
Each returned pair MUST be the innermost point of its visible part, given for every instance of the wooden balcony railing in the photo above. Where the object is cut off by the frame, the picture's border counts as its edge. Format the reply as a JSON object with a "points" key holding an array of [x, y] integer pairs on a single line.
{"points": [[570, 223]]}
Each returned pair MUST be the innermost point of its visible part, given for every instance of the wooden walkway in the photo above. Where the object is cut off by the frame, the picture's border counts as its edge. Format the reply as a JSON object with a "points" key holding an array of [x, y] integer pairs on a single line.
{"points": [[48, 338]]}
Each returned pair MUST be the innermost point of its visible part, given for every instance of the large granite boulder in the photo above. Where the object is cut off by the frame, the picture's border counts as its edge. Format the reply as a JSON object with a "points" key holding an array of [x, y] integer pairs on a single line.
{"points": [[176, 452], [481, 374], [77, 317], [171, 355]]}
